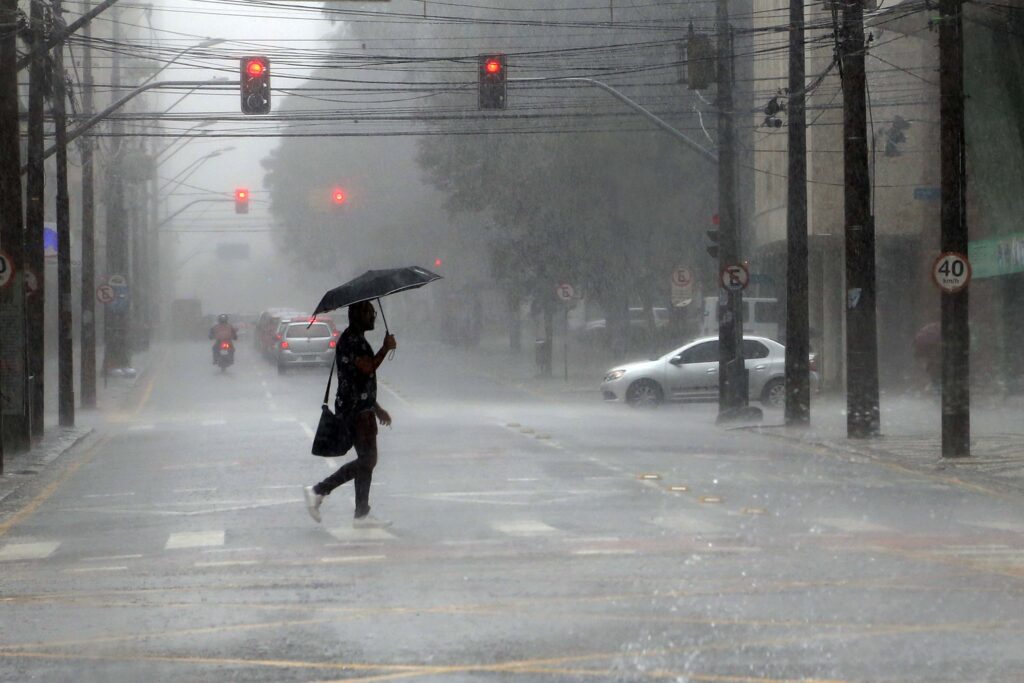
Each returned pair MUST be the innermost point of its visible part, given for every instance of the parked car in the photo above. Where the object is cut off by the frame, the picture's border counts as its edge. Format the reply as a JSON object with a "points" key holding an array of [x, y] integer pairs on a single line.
{"points": [[690, 373], [760, 316], [305, 343]]}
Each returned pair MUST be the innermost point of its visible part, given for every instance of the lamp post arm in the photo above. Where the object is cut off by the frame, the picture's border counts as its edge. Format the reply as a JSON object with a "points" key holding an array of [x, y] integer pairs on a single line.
{"points": [[78, 132], [632, 104], [188, 206]]}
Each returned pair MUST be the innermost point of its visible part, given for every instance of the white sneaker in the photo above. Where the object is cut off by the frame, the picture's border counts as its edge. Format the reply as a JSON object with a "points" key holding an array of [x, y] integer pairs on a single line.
{"points": [[313, 501], [370, 522]]}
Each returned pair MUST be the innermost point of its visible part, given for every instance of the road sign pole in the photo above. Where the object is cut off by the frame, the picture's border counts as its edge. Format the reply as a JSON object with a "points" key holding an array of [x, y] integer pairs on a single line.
{"points": [[956, 395], [65, 325]]}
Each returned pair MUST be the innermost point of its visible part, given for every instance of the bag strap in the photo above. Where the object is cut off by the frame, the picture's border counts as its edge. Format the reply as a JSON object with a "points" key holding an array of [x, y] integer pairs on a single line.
{"points": [[327, 392]]}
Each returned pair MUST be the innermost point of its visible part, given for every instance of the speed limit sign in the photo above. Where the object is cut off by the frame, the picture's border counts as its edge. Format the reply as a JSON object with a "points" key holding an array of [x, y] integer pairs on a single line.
{"points": [[951, 272], [6, 270]]}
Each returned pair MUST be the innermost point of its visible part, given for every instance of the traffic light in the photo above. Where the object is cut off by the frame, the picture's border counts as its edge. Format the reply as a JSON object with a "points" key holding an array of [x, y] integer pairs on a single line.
{"points": [[712, 246], [338, 196], [241, 200], [492, 74], [438, 262], [700, 61], [255, 82]]}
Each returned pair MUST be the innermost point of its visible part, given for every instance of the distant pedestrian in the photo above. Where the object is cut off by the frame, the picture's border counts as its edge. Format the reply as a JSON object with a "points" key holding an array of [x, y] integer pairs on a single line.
{"points": [[357, 402]]}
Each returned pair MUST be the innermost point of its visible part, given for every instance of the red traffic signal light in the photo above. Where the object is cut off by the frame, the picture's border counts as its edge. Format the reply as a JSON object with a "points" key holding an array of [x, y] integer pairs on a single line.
{"points": [[491, 81], [255, 85], [437, 263], [338, 196], [241, 200]]}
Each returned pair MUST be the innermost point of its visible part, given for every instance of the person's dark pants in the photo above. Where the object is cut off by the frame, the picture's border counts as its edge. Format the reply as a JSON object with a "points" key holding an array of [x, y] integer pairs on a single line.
{"points": [[364, 428]]}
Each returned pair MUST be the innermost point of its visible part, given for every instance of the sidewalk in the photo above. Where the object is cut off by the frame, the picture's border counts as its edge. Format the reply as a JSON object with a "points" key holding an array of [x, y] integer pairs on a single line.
{"points": [[911, 437], [20, 468]]}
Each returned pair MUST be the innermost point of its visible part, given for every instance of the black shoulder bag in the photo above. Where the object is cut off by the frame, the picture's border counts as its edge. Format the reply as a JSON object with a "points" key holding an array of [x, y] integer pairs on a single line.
{"points": [[334, 432]]}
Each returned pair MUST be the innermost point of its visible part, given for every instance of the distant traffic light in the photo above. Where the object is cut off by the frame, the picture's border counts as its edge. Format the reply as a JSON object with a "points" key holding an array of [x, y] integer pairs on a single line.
{"points": [[241, 200], [437, 263], [338, 196], [255, 85], [491, 76], [713, 236]]}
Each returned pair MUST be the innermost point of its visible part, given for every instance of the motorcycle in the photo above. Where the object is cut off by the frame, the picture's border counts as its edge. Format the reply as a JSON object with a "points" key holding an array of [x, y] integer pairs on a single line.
{"points": [[225, 355]]}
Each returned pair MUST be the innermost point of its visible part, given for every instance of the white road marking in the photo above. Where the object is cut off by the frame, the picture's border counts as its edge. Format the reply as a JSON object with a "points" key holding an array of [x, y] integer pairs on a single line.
{"points": [[141, 428], [604, 551], [353, 558], [853, 524], [307, 430], [250, 549], [28, 551], [201, 490], [79, 570], [225, 563], [347, 533], [194, 539], [284, 419], [1000, 525], [524, 528], [392, 392], [109, 495], [111, 558], [213, 423]]}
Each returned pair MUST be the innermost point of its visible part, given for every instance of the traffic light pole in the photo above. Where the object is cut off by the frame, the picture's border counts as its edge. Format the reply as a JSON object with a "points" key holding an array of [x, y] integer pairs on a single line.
{"points": [[87, 319], [65, 350], [35, 216]]}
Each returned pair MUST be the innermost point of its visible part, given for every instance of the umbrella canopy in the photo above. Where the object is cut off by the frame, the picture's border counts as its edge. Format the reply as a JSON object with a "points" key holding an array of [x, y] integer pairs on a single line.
{"points": [[374, 284]]}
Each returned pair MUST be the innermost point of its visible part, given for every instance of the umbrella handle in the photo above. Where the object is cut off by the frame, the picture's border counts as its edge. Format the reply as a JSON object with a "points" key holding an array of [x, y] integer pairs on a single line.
{"points": [[386, 330]]}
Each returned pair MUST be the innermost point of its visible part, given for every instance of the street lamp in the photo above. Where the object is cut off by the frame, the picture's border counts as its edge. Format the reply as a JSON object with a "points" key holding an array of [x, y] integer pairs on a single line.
{"points": [[193, 167], [209, 42]]}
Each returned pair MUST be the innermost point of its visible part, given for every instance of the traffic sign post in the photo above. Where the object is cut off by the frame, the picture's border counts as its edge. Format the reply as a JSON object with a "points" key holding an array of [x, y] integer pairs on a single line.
{"points": [[567, 294], [682, 286]]}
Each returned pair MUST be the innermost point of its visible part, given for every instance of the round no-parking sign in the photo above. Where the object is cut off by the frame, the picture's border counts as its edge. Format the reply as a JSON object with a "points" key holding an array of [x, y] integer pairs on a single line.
{"points": [[104, 294], [6, 270], [951, 272], [734, 278]]}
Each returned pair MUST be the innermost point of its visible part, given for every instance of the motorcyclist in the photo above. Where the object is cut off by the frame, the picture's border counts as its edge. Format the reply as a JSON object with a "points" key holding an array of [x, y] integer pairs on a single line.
{"points": [[223, 331]]}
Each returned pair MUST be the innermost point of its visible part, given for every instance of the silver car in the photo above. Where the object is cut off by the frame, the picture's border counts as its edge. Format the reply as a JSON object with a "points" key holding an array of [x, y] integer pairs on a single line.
{"points": [[690, 373], [301, 343]]}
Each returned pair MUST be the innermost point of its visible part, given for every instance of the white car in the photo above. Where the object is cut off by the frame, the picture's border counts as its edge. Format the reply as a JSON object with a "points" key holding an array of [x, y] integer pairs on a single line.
{"points": [[690, 373]]}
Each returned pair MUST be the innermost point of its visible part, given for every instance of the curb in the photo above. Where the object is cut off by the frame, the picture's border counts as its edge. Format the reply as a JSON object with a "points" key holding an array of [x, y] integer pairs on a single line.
{"points": [[22, 468]]}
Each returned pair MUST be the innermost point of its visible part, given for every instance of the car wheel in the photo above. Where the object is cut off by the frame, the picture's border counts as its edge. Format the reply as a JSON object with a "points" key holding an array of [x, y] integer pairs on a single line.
{"points": [[644, 393], [774, 394]]}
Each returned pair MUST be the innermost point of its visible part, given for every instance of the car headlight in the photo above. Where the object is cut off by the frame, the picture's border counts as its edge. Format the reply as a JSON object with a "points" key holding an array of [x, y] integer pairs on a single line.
{"points": [[614, 375]]}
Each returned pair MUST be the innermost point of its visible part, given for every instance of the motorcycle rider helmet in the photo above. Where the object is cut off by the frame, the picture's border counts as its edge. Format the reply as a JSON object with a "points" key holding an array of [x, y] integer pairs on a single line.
{"points": [[222, 318]]}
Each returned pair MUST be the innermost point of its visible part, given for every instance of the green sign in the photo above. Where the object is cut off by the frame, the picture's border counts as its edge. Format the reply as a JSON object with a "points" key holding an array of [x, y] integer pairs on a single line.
{"points": [[997, 256]]}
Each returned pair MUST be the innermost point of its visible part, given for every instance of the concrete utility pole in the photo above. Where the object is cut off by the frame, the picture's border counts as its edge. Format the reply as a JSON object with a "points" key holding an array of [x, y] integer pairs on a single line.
{"points": [[798, 391], [14, 426], [732, 371], [862, 411], [87, 322], [35, 216], [117, 353], [65, 349], [956, 376]]}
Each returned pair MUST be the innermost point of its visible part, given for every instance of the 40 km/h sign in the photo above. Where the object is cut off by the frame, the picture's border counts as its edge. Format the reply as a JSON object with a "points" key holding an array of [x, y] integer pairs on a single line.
{"points": [[951, 272]]}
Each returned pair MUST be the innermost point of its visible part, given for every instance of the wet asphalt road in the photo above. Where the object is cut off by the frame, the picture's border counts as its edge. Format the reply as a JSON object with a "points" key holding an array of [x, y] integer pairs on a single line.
{"points": [[533, 541]]}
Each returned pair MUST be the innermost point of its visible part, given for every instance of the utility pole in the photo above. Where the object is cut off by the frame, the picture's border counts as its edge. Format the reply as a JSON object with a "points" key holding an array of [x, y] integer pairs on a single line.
{"points": [[798, 388], [732, 372], [862, 411], [65, 349], [87, 333], [956, 376], [35, 216], [117, 353], [14, 426]]}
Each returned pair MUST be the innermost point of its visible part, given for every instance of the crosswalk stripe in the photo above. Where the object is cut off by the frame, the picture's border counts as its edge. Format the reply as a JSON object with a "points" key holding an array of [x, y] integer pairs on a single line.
{"points": [[28, 551], [347, 533], [853, 524], [194, 539], [524, 528]]}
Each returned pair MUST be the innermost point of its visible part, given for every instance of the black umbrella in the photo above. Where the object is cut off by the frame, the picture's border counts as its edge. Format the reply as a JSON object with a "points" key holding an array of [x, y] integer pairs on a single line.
{"points": [[374, 284]]}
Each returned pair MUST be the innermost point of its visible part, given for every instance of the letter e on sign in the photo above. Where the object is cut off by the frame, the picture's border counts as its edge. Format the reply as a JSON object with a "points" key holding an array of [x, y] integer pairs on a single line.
{"points": [[951, 272]]}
